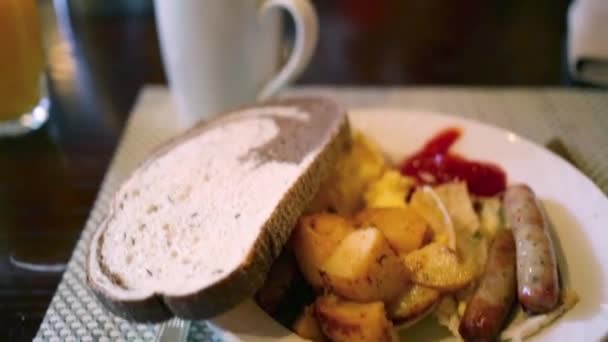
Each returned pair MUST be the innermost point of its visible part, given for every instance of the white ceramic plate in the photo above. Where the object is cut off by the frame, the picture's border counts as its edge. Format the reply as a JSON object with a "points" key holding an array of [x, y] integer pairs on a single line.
{"points": [[576, 207]]}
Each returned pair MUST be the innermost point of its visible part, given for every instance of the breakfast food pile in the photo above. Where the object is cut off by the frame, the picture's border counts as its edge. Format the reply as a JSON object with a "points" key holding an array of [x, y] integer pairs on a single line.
{"points": [[281, 201], [381, 248]]}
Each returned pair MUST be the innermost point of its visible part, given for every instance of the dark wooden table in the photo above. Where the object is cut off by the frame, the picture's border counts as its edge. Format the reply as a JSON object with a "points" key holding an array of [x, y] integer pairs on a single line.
{"points": [[98, 63]]}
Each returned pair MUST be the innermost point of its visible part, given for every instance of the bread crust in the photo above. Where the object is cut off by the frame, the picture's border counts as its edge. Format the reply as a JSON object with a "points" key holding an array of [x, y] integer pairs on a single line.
{"points": [[243, 282]]}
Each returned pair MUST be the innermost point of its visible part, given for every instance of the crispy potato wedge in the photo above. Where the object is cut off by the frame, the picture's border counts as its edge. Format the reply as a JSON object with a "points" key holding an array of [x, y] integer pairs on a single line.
{"points": [[403, 228], [306, 326], [314, 240], [347, 321], [364, 268], [436, 266], [414, 302]]}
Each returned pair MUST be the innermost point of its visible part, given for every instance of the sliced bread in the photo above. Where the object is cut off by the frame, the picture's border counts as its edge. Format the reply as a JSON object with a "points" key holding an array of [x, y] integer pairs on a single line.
{"points": [[193, 231]]}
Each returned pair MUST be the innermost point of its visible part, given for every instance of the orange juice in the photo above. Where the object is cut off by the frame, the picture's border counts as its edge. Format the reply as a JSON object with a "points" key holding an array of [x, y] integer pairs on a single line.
{"points": [[21, 57]]}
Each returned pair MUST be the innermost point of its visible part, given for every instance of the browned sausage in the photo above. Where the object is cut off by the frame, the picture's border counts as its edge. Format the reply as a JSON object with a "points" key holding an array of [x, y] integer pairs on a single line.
{"points": [[537, 279], [488, 308]]}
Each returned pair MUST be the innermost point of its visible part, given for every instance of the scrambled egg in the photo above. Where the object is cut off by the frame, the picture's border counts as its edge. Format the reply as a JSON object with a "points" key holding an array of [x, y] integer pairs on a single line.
{"points": [[389, 191], [353, 173], [361, 178]]}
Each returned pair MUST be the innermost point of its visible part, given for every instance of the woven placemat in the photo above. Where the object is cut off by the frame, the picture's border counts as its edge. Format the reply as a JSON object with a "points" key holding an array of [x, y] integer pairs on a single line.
{"points": [[577, 118]]}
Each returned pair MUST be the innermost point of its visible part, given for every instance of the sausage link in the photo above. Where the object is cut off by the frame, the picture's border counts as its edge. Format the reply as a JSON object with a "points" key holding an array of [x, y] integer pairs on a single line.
{"points": [[537, 278], [492, 301]]}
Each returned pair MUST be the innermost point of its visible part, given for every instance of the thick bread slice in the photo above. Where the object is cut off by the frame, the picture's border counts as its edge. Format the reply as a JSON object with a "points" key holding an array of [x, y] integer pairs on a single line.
{"points": [[193, 231]]}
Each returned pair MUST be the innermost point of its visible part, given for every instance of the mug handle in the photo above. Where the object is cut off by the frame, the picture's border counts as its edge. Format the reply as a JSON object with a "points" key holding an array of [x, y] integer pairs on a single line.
{"points": [[307, 34]]}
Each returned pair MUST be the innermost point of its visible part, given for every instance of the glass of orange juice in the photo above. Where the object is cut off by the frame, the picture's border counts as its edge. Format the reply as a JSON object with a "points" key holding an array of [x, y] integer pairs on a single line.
{"points": [[23, 98]]}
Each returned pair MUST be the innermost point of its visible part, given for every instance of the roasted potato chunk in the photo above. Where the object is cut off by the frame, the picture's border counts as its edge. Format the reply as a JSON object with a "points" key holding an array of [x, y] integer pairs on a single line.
{"points": [[403, 228], [414, 302], [347, 321], [306, 326], [364, 268], [314, 240], [436, 266]]}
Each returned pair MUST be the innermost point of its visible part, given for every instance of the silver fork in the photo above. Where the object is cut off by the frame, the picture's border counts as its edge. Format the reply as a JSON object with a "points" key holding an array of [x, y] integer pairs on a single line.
{"points": [[175, 330]]}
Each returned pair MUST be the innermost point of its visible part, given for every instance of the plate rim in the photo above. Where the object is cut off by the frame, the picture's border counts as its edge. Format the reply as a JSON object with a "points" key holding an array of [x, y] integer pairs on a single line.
{"points": [[484, 125]]}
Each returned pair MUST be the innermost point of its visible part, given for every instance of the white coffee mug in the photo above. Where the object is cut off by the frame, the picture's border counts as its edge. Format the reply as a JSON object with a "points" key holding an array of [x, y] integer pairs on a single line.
{"points": [[219, 54]]}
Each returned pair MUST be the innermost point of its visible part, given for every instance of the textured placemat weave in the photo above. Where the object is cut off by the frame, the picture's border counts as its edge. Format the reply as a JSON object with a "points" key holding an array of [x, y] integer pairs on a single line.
{"points": [[578, 118]]}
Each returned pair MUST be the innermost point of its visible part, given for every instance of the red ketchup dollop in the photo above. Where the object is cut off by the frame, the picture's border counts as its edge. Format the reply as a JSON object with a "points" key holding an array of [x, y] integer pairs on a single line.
{"points": [[435, 164]]}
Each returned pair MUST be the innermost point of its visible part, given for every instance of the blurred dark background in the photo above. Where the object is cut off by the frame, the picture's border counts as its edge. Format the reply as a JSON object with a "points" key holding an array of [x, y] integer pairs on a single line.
{"points": [[468, 42], [101, 52], [113, 48], [410, 42]]}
